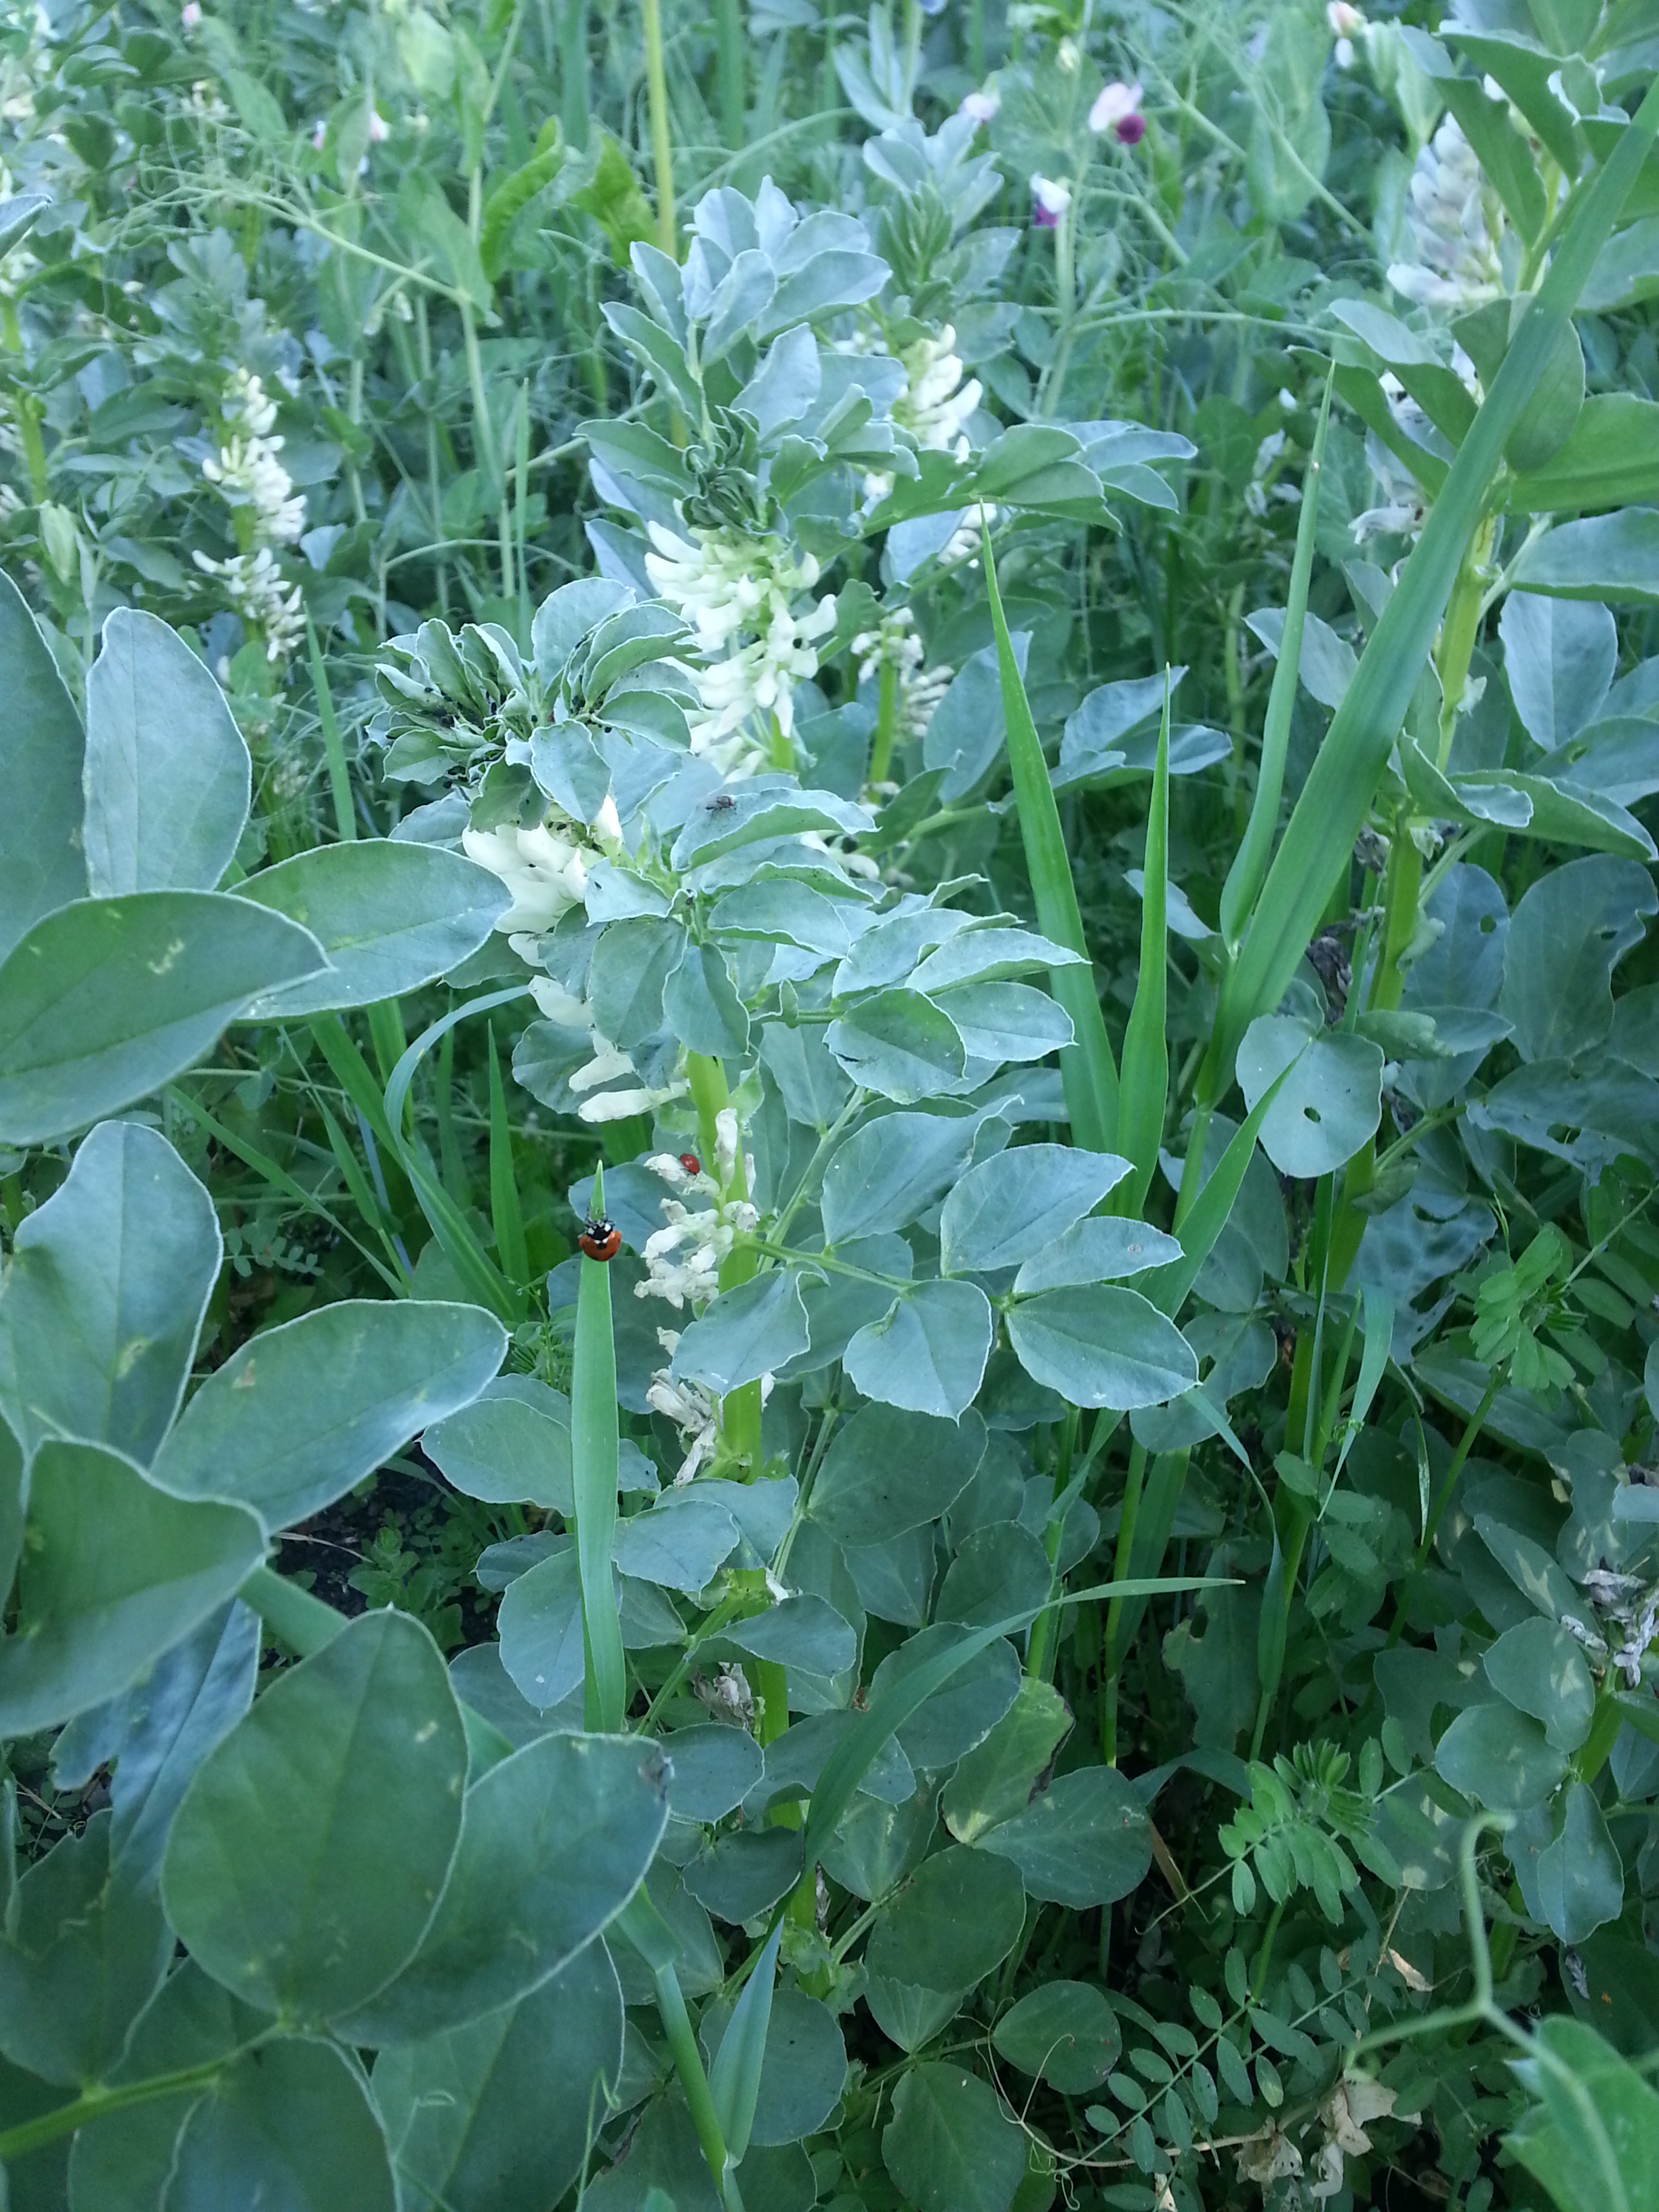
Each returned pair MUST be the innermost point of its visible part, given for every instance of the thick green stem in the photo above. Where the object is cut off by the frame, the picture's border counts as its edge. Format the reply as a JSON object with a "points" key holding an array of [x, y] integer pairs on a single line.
{"points": [[293, 1617], [887, 703], [729, 37], [99, 2104], [662, 150], [688, 2064], [1111, 1656]]}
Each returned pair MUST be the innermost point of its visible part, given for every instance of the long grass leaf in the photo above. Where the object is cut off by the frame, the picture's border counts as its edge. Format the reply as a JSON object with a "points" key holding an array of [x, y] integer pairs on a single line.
{"points": [[1244, 877], [1209, 1212], [864, 1742], [1086, 1066], [339, 776], [279, 1179], [505, 1213], [1329, 814], [1144, 1092], [593, 1444], [482, 1279], [735, 2077]]}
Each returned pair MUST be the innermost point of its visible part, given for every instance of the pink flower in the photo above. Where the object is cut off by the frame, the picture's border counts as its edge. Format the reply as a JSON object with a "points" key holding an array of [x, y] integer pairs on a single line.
{"points": [[1117, 104], [1131, 130], [1049, 201], [379, 129], [190, 14], [1344, 20], [979, 106], [320, 137]]}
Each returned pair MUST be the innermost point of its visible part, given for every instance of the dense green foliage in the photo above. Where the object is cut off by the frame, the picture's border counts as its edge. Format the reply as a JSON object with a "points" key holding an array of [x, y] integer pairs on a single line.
{"points": [[829, 1105]]}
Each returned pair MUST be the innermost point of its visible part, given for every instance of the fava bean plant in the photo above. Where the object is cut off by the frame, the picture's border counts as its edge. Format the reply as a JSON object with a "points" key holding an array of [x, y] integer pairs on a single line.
{"points": [[829, 1105]]}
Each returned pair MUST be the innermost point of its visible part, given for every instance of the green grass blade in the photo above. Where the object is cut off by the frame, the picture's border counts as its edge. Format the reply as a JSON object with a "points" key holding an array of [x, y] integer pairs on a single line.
{"points": [[858, 1750], [484, 1280], [1086, 1066], [339, 776], [1208, 1214], [1244, 877], [1328, 815], [735, 2077], [593, 1443], [279, 1179], [1144, 1092], [505, 1213]]}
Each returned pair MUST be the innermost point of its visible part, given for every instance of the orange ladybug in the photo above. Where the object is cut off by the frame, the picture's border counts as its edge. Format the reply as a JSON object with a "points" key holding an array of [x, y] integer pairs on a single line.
{"points": [[600, 1237]]}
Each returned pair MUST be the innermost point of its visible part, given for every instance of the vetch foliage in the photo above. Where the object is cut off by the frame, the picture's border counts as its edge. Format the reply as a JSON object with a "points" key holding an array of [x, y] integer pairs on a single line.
{"points": [[828, 1094]]}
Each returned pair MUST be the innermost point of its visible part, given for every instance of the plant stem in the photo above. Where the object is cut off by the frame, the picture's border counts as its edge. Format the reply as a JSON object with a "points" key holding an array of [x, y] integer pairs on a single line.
{"points": [[887, 700], [98, 2104], [662, 151], [688, 2064], [339, 778], [1111, 1658], [729, 35], [1449, 1481], [304, 1623]]}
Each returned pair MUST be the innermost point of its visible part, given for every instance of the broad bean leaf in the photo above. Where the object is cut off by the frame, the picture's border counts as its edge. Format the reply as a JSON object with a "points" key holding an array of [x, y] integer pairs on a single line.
{"points": [[1581, 1877], [892, 1168], [114, 1572], [1331, 1100], [954, 1923], [888, 1469], [1104, 1249], [1560, 656], [1008, 1209], [1062, 2033], [927, 1353], [1539, 1670], [803, 2072], [510, 1446], [82, 1953], [106, 1000], [1567, 934], [499, 2111], [167, 773], [896, 1042], [1102, 1346], [1500, 1758], [555, 1840], [306, 1900], [949, 2145], [302, 1413], [994, 1781], [390, 915], [106, 1288], [42, 865], [294, 2115], [748, 1332], [159, 1732], [1084, 1840]]}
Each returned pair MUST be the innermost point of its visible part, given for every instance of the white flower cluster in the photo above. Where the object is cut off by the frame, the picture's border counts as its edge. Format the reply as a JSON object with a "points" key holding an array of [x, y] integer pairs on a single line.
{"points": [[733, 586], [255, 587], [254, 483], [894, 644], [692, 1410], [683, 1258], [608, 1086], [935, 404], [1455, 223], [545, 867]]}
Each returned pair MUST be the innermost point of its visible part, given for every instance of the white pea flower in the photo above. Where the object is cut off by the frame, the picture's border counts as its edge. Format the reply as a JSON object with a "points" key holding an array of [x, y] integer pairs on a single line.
{"points": [[894, 644], [255, 587], [542, 866], [1049, 201], [691, 1408], [1114, 105], [1455, 223], [980, 107]]}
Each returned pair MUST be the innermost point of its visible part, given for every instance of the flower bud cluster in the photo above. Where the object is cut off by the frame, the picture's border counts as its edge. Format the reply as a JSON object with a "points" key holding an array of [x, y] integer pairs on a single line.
{"points": [[738, 593], [1455, 223]]}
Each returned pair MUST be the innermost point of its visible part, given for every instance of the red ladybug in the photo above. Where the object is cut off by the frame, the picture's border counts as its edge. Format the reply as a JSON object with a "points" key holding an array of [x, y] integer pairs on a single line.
{"points": [[600, 1238], [691, 1164]]}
